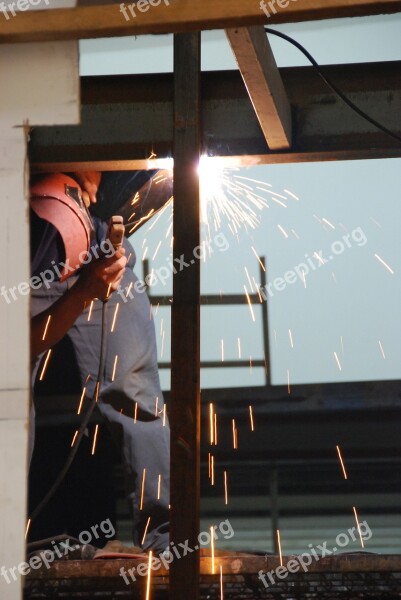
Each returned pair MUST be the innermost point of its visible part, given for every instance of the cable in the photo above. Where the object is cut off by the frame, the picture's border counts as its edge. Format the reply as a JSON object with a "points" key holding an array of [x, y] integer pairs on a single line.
{"points": [[84, 424], [332, 86]]}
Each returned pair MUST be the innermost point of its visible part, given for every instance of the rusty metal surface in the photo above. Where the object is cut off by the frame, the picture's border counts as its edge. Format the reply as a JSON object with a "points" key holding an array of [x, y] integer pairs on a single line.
{"points": [[349, 576]]}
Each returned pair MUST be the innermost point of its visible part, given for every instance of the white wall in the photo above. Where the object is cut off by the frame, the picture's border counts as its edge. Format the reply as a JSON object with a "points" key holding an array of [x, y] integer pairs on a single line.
{"points": [[39, 86]]}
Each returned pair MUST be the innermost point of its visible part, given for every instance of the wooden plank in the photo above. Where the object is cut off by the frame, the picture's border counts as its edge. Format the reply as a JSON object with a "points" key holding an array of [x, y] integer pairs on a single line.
{"points": [[263, 81], [185, 320], [178, 16]]}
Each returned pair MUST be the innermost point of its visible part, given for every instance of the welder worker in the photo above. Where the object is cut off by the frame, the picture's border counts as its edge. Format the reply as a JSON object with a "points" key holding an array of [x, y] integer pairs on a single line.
{"points": [[132, 400]]}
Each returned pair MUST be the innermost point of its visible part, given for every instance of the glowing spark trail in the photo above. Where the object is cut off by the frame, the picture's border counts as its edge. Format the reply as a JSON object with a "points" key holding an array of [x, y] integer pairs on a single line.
{"points": [[251, 418], [129, 289], [285, 234], [159, 482], [328, 223], [95, 440], [149, 576], [381, 350], [341, 462], [46, 328], [225, 488], [291, 338], [212, 549], [359, 527], [258, 257], [319, 258], [235, 435], [250, 304], [114, 368], [375, 222], [249, 279], [338, 362], [81, 401], [156, 251], [146, 531], [74, 438], [91, 309], [384, 264], [211, 421], [136, 412], [291, 194], [221, 583], [279, 547], [27, 528], [278, 202], [143, 488], [141, 220], [45, 365], [114, 318]]}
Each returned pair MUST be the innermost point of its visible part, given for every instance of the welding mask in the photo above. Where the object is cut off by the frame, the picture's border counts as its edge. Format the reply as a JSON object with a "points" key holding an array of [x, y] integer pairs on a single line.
{"points": [[58, 200]]}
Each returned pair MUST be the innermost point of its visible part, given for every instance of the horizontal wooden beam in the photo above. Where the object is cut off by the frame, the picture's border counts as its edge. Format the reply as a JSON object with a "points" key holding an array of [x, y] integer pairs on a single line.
{"points": [[263, 81], [173, 16], [126, 118]]}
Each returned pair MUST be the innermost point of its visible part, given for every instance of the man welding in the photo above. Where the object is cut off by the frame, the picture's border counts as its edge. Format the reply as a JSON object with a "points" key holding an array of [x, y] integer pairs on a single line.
{"points": [[130, 398]]}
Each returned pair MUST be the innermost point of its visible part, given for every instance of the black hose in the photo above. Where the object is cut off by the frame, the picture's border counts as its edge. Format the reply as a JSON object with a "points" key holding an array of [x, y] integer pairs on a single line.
{"points": [[332, 85]]}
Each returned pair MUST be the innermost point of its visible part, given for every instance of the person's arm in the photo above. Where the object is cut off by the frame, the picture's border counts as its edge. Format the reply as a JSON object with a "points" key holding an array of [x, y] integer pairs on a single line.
{"points": [[95, 281]]}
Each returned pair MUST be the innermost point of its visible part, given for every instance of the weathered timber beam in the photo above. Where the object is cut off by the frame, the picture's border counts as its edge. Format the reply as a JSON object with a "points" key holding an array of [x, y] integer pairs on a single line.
{"points": [[263, 82], [177, 16]]}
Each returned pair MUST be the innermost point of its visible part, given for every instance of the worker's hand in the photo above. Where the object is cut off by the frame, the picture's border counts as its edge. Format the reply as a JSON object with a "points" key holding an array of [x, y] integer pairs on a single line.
{"points": [[103, 276]]}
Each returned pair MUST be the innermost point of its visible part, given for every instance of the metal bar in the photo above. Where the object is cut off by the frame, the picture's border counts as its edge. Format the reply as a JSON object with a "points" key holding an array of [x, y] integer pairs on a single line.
{"points": [[136, 116], [185, 347], [265, 318], [274, 510], [249, 564], [212, 300], [111, 20], [227, 364]]}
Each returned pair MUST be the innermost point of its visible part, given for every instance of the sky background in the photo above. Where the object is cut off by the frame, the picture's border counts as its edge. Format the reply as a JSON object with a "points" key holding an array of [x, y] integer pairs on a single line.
{"points": [[351, 305]]}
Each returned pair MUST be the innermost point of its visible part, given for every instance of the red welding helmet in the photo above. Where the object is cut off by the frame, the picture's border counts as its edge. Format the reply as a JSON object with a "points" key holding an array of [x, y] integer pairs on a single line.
{"points": [[58, 199]]}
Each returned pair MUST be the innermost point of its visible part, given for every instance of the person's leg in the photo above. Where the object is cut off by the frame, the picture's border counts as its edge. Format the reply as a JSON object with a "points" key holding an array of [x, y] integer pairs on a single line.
{"points": [[130, 390], [146, 448]]}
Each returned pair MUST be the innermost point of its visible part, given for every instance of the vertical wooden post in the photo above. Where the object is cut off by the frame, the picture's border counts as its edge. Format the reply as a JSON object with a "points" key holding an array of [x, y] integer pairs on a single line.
{"points": [[185, 351]]}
